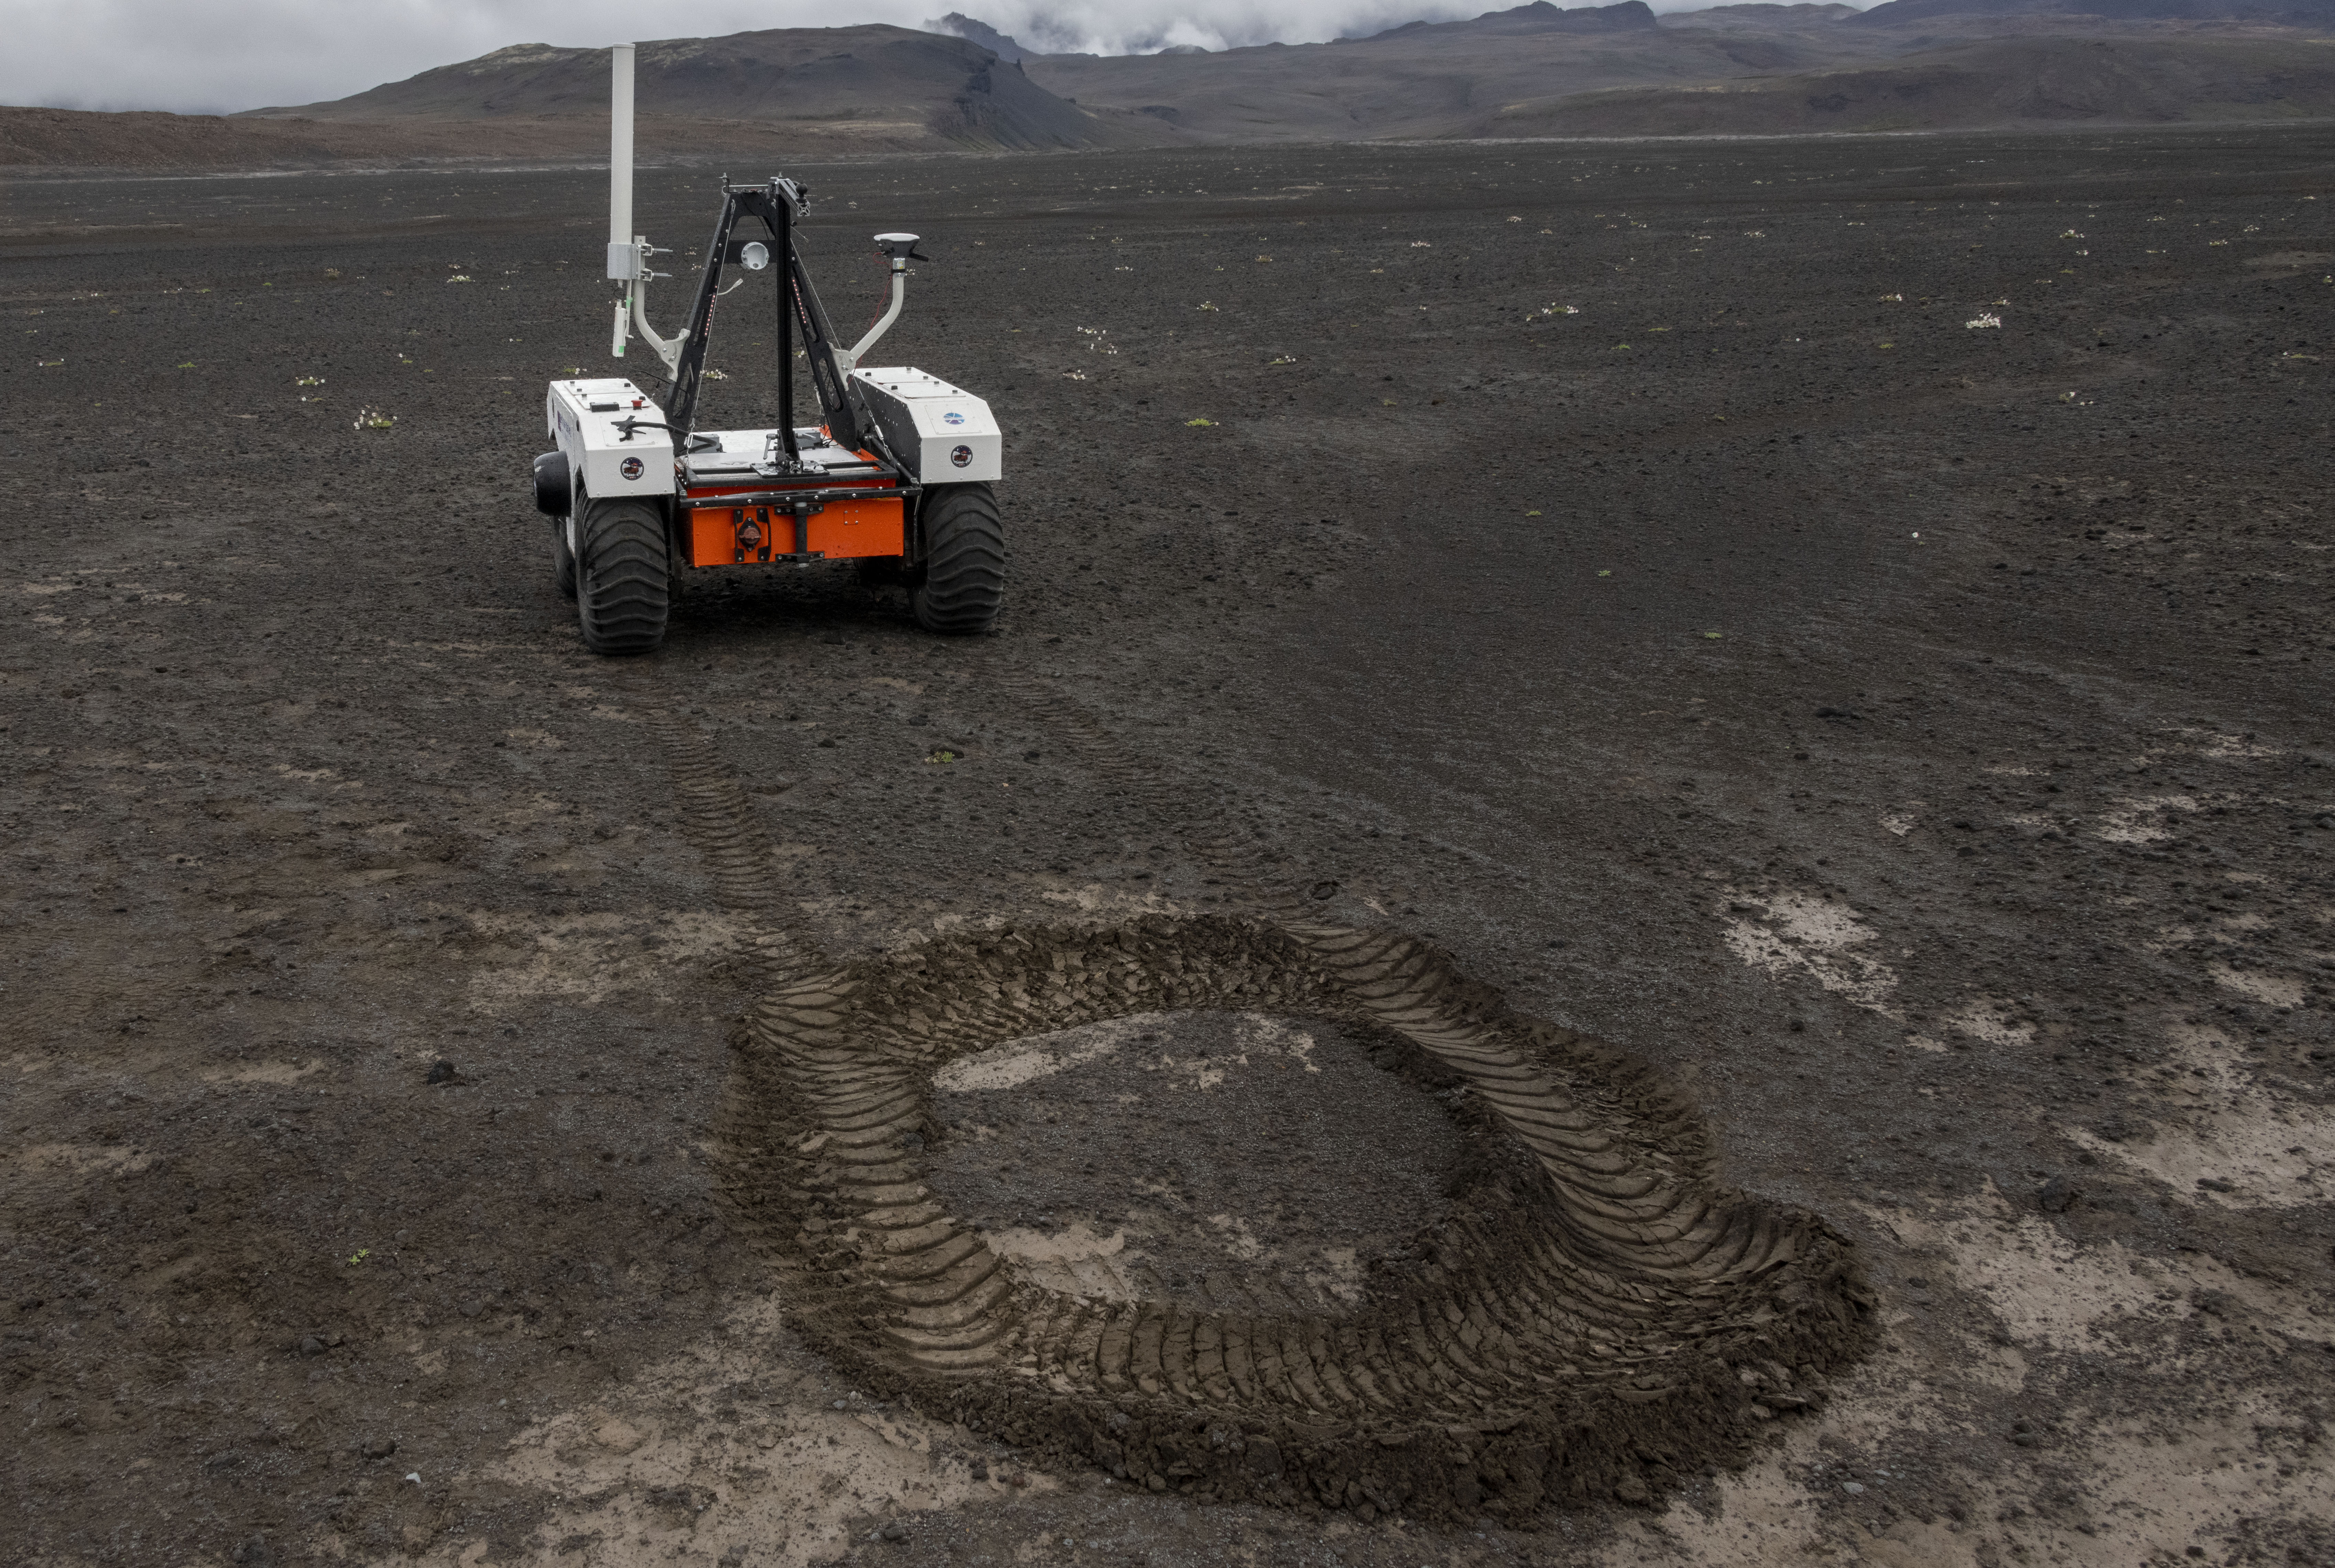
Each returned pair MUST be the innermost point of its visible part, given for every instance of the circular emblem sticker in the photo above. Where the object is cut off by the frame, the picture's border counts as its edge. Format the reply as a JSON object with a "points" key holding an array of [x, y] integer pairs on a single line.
{"points": [[630, 468], [952, 418], [962, 457]]}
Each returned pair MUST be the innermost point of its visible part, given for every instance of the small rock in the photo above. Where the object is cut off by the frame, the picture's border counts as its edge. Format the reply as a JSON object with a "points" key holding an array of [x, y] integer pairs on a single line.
{"points": [[380, 1447], [616, 1436], [1633, 1488], [2056, 1194], [311, 1345], [1854, 1488], [894, 1531], [441, 1072], [1155, 1481], [252, 1551]]}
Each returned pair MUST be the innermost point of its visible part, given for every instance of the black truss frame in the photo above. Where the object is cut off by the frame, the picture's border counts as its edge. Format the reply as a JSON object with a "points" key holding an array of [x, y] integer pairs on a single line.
{"points": [[777, 206]]}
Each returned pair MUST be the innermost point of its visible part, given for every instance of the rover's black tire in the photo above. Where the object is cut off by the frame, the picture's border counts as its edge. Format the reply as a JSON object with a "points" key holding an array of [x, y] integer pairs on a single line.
{"points": [[957, 588], [624, 584], [563, 559], [554, 484]]}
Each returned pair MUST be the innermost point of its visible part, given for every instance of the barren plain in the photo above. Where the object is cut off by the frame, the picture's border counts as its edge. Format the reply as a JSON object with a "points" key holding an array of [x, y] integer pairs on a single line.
{"points": [[1784, 681]]}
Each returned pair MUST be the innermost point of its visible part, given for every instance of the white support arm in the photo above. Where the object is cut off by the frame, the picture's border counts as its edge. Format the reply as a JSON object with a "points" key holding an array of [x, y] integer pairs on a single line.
{"points": [[668, 349], [883, 323]]}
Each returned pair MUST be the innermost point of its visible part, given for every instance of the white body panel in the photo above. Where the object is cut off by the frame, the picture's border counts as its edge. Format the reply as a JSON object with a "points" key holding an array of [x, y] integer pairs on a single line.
{"points": [[945, 434], [584, 415]]}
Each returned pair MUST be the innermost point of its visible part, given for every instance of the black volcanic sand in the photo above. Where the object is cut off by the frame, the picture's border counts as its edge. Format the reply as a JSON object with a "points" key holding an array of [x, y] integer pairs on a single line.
{"points": [[1909, 737], [1203, 1157]]}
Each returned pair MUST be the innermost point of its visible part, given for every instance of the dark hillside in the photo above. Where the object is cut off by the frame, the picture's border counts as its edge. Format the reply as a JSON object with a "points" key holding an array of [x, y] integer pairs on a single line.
{"points": [[873, 74], [2009, 81]]}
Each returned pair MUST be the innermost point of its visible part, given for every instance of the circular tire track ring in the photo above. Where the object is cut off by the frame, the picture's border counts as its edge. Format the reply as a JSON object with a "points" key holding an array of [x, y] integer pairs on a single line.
{"points": [[1597, 1312]]}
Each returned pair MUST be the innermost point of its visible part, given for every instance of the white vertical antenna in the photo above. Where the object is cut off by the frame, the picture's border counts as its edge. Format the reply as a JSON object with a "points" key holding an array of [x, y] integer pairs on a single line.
{"points": [[624, 259]]}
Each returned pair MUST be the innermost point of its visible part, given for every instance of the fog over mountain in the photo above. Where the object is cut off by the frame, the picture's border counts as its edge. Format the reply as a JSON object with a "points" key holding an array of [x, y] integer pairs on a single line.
{"points": [[219, 57]]}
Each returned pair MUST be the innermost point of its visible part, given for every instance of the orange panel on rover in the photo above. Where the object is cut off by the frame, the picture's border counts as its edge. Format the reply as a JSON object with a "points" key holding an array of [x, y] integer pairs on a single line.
{"points": [[721, 536]]}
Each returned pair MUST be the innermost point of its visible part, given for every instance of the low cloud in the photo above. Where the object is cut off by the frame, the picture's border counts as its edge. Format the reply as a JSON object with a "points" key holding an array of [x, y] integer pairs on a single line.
{"points": [[217, 56]]}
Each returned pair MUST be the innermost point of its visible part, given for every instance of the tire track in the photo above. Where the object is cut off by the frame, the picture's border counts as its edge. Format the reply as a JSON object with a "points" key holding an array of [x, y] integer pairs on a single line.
{"points": [[1596, 1313], [723, 822], [1199, 814]]}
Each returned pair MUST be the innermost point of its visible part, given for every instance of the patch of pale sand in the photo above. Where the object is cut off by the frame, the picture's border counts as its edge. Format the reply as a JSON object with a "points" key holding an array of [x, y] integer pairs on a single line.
{"points": [[646, 1477], [272, 1072], [1036, 1056], [1335, 1272], [1993, 1021], [2170, 937], [1256, 1034], [1032, 1057], [2148, 1497], [1235, 1237], [76, 1159], [1269, 1036], [2227, 747], [1812, 936], [2264, 1147], [586, 958], [1110, 903], [1075, 1259], [2270, 990], [2137, 818], [1900, 823], [2149, 1494], [2051, 1294]]}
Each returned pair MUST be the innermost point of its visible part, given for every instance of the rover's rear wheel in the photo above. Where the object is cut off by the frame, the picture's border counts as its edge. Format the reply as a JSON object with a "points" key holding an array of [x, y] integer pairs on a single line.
{"points": [[958, 587], [623, 585], [563, 559]]}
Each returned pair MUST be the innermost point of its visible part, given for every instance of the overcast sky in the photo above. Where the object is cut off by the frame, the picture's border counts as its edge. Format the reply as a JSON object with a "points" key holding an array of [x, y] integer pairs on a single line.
{"points": [[214, 56]]}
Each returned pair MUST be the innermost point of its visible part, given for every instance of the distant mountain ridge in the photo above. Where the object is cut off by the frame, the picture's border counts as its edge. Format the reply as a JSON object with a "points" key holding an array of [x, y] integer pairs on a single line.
{"points": [[1538, 16], [2005, 82], [1538, 69], [957, 25], [2276, 13], [949, 87]]}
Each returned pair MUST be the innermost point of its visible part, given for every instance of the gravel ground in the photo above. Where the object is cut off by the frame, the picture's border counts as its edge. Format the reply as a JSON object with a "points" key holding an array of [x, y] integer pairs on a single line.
{"points": [[1841, 622]]}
